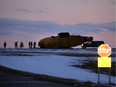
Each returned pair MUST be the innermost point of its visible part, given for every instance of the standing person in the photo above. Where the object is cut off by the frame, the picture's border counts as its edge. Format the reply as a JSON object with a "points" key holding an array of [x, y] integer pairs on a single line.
{"points": [[29, 44], [16, 44], [34, 45], [21, 45], [5, 44]]}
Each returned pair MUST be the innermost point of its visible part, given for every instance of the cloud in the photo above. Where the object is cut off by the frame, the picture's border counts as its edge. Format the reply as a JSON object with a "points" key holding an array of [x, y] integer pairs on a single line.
{"points": [[82, 0], [23, 30], [107, 36], [42, 10], [7, 26], [112, 2], [110, 26], [24, 10]]}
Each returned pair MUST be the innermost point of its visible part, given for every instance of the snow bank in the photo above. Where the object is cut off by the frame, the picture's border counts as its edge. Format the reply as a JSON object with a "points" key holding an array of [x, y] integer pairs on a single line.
{"points": [[58, 66], [79, 50]]}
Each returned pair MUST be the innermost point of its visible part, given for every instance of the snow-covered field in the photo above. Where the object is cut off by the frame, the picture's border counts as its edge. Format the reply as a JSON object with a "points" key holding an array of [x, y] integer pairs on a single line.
{"points": [[54, 65]]}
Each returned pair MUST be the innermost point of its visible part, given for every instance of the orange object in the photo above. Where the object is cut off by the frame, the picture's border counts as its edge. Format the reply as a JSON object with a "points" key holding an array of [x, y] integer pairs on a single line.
{"points": [[104, 50]]}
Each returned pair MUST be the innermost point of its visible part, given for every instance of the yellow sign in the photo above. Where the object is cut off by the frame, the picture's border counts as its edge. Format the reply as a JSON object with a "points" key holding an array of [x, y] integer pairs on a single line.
{"points": [[104, 62], [104, 50]]}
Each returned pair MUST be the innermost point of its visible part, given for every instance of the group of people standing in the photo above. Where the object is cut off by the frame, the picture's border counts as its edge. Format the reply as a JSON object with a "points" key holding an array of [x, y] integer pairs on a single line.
{"points": [[32, 44], [16, 44], [21, 44]]}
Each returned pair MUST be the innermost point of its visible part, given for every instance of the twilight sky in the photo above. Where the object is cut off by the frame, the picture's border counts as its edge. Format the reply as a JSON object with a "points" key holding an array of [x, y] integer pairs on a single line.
{"points": [[32, 20]]}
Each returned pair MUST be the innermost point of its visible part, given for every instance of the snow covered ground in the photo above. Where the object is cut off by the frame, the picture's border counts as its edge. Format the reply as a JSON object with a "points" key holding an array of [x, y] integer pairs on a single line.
{"points": [[54, 65], [53, 50]]}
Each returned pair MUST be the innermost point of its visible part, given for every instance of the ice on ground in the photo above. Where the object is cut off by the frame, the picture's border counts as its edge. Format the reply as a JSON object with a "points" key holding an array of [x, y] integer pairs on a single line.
{"points": [[58, 66], [79, 50]]}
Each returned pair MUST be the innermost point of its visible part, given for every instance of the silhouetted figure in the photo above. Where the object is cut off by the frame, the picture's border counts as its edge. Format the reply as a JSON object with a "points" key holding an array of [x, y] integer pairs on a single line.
{"points": [[34, 45], [5, 44], [16, 44], [29, 44], [21, 45]]}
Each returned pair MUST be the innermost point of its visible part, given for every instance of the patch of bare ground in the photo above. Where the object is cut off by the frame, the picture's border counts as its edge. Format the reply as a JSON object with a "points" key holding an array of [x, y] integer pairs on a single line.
{"points": [[92, 65], [82, 54], [42, 77]]}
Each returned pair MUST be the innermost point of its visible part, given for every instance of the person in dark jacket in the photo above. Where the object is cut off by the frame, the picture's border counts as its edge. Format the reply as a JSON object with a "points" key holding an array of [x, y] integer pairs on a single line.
{"points": [[5, 44], [34, 45], [21, 45], [29, 44], [16, 44]]}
